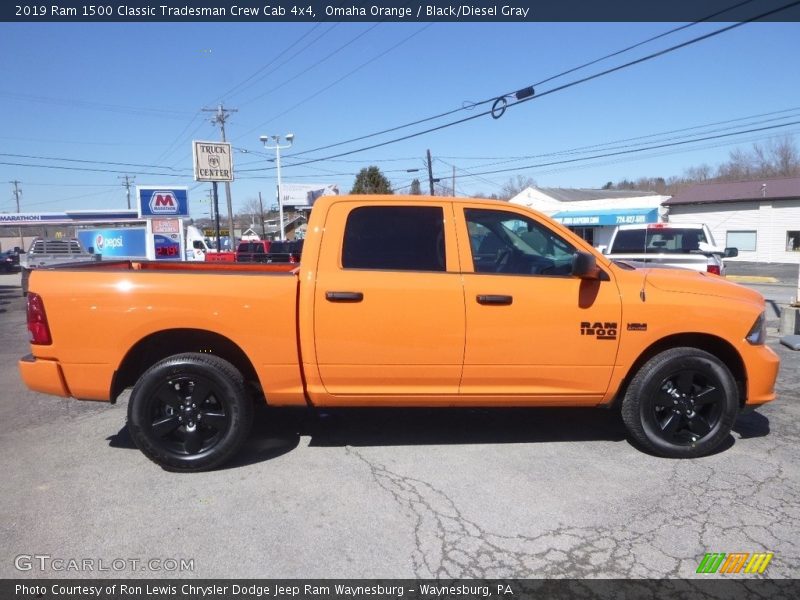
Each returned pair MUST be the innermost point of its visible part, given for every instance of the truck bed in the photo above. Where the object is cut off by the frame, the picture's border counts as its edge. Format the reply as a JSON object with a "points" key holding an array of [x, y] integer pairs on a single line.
{"points": [[179, 266]]}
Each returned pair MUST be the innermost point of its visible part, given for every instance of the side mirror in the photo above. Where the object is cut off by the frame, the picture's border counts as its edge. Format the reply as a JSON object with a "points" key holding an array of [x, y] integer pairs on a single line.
{"points": [[584, 265], [730, 252], [602, 249]]}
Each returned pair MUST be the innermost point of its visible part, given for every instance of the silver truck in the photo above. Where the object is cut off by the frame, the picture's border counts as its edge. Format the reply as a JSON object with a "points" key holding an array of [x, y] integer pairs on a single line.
{"points": [[46, 252], [687, 246]]}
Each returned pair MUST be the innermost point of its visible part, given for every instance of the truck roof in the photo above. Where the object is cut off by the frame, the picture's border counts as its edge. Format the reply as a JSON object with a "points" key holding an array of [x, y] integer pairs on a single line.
{"points": [[662, 226]]}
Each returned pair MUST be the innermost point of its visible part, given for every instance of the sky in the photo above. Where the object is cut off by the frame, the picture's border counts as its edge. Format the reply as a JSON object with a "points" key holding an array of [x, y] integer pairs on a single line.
{"points": [[87, 103]]}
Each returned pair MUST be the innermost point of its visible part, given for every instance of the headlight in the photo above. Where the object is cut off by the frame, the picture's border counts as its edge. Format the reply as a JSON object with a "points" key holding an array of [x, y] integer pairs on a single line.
{"points": [[758, 332]]}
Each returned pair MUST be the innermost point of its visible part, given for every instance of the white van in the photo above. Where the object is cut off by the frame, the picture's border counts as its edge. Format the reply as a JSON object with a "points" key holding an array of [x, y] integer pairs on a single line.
{"points": [[196, 247]]}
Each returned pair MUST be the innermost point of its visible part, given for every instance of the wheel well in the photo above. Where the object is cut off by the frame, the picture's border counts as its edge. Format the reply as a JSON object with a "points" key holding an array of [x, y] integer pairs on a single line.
{"points": [[157, 346], [709, 343]]}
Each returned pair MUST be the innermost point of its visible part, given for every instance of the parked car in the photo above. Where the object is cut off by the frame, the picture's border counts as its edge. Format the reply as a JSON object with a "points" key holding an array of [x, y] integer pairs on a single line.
{"points": [[253, 251], [287, 251], [46, 252], [688, 246], [9, 261]]}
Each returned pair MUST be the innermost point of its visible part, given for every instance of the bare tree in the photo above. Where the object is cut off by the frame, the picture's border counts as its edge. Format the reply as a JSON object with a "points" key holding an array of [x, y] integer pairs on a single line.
{"points": [[699, 173], [779, 158], [512, 187], [252, 213]]}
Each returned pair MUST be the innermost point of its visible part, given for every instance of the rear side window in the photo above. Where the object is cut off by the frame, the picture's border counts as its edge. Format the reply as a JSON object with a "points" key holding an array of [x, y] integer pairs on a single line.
{"points": [[673, 240], [629, 241], [395, 238]]}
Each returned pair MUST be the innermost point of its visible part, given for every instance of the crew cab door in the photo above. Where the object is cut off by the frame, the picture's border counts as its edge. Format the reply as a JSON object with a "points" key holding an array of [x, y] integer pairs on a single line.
{"points": [[388, 303], [534, 331]]}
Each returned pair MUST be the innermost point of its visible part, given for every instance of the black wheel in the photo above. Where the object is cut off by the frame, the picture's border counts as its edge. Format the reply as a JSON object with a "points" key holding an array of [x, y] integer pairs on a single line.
{"points": [[681, 404], [190, 412]]}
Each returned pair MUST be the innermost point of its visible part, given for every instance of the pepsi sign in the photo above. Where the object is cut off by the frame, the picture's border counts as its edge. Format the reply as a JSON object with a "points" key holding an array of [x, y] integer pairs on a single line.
{"points": [[162, 202], [117, 242]]}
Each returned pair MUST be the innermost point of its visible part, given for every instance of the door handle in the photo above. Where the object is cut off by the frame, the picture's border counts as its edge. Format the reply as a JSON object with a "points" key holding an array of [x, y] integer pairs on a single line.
{"points": [[494, 299], [344, 296]]}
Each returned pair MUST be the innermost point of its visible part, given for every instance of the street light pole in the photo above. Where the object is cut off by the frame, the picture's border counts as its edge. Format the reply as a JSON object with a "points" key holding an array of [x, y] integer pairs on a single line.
{"points": [[277, 147]]}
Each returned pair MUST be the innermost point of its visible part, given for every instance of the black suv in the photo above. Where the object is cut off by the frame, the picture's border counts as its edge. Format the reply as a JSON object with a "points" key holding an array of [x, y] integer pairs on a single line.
{"points": [[9, 261]]}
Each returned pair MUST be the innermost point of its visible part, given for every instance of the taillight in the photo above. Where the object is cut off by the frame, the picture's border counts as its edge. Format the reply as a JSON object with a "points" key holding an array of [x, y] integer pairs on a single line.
{"points": [[713, 269], [37, 321]]}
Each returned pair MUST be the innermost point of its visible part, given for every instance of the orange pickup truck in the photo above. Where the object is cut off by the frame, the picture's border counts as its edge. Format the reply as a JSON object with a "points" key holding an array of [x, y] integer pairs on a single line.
{"points": [[402, 301]]}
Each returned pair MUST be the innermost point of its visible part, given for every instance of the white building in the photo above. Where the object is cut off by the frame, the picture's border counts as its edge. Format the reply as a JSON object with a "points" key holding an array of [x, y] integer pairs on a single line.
{"points": [[761, 218], [593, 214]]}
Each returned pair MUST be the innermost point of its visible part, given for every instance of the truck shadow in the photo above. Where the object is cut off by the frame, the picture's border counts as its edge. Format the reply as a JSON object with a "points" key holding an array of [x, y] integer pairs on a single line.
{"points": [[277, 431]]}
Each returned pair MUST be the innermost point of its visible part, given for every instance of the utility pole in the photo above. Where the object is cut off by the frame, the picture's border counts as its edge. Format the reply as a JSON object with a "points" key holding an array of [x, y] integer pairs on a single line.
{"points": [[219, 119], [430, 172], [17, 194], [210, 198], [127, 185], [261, 216], [454, 180]]}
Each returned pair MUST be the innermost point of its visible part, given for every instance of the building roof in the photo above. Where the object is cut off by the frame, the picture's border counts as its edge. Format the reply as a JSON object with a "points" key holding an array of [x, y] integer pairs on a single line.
{"points": [[577, 195], [739, 191]]}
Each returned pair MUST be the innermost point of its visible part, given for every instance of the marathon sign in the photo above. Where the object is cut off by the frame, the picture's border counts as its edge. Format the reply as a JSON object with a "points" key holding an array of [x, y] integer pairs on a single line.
{"points": [[162, 202], [213, 161]]}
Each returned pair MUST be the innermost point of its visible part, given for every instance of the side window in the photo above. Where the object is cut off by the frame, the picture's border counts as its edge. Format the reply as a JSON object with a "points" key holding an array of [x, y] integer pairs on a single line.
{"points": [[395, 238], [505, 242]]}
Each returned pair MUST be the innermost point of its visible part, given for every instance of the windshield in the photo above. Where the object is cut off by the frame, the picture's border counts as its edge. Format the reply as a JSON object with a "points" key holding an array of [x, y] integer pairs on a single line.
{"points": [[674, 240]]}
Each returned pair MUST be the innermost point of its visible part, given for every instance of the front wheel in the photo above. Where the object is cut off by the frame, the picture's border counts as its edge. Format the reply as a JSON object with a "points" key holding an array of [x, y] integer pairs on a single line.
{"points": [[190, 412], [682, 403]]}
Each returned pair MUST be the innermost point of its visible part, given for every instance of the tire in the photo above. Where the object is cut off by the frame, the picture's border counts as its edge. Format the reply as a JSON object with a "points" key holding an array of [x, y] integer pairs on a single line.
{"points": [[682, 403], [182, 428]]}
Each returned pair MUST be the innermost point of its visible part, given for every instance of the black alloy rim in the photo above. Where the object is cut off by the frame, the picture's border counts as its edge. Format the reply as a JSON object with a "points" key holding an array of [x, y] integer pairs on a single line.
{"points": [[188, 415], [687, 407]]}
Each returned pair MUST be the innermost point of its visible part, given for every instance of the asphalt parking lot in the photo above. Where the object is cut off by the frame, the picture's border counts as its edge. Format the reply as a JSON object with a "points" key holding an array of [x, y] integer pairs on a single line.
{"points": [[402, 493]]}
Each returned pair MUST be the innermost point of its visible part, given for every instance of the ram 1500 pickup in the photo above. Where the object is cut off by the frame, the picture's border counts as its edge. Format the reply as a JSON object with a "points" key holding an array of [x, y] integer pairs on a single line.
{"points": [[402, 301]]}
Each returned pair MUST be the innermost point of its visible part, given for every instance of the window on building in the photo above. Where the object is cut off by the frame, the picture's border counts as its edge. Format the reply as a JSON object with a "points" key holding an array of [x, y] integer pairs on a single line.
{"points": [[395, 238], [793, 241], [587, 233], [745, 241]]}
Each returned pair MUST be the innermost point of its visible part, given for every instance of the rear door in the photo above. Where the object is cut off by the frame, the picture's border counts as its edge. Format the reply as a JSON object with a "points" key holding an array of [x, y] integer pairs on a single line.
{"points": [[389, 302], [535, 333]]}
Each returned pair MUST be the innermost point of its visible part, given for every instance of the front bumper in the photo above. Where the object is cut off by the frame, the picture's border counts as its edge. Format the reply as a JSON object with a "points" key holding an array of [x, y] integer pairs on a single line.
{"points": [[762, 364]]}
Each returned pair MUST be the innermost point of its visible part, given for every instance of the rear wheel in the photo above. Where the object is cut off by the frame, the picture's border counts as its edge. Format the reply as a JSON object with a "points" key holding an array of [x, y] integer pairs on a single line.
{"points": [[681, 404], [190, 412]]}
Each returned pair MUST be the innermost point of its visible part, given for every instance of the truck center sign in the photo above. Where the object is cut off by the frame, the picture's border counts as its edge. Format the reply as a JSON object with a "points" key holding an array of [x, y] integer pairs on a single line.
{"points": [[213, 161]]}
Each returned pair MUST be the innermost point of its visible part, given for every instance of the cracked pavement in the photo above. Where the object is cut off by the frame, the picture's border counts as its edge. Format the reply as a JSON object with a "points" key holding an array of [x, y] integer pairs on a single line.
{"points": [[401, 493]]}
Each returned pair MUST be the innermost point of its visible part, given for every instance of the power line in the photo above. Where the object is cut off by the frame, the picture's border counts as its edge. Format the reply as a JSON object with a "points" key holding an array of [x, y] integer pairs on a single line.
{"points": [[493, 111], [316, 64], [243, 84], [631, 151], [337, 81], [630, 139], [85, 169], [97, 106], [472, 105], [85, 161]]}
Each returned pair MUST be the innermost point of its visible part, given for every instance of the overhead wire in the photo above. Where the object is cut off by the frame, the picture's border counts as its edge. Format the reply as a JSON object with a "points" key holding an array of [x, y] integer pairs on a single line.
{"points": [[561, 87], [336, 82], [631, 151], [472, 105]]}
